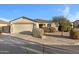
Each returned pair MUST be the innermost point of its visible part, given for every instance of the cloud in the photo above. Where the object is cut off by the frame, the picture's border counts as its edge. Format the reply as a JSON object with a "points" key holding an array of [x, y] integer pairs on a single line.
{"points": [[74, 17], [4, 19], [66, 11]]}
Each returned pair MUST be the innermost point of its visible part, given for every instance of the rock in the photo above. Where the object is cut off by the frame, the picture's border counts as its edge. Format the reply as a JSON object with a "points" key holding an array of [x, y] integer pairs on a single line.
{"points": [[43, 36]]}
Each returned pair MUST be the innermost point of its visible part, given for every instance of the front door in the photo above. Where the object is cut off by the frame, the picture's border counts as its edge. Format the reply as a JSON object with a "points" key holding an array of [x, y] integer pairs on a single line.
{"points": [[40, 25]]}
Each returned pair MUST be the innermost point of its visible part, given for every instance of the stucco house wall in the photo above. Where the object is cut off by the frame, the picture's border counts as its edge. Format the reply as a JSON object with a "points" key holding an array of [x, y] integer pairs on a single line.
{"points": [[54, 25], [21, 24], [2, 24]]}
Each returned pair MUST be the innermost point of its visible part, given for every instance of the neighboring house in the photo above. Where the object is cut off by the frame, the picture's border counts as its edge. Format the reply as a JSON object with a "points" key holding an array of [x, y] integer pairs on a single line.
{"points": [[76, 23], [25, 25], [2, 25]]}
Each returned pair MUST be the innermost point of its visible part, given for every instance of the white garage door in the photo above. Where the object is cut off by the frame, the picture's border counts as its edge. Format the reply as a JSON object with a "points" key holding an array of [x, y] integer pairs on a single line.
{"points": [[18, 28]]}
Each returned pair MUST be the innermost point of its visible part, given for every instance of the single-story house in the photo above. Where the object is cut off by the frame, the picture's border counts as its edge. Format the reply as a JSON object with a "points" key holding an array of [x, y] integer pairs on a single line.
{"points": [[21, 24], [24, 24]]}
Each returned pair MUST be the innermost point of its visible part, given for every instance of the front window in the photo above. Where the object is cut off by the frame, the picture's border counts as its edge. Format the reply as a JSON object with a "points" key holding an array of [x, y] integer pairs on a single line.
{"points": [[48, 25]]}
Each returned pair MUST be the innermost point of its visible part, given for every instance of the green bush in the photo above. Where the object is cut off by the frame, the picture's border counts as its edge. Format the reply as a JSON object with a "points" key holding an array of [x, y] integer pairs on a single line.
{"points": [[64, 28], [37, 32], [46, 29], [74, 33], [52, 29]]}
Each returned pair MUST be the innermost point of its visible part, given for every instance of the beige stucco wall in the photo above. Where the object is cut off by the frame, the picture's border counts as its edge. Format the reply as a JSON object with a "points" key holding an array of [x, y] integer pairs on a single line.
{"points": [[37, 25], [3, 25], [54, 25]]}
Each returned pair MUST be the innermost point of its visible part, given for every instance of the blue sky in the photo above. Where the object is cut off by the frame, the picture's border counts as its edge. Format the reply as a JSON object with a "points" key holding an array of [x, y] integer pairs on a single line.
{"points": [[44, 11]]}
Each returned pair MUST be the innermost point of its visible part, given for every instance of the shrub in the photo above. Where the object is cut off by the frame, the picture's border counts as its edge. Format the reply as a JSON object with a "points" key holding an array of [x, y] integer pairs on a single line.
{"points": [[64, 28], [69, 29], [37, 32], [52, 29], [74, 33], [46, 29]]}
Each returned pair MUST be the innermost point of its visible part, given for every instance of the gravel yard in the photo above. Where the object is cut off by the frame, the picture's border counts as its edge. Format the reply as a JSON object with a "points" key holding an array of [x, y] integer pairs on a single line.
{"points": [[50, 39]]}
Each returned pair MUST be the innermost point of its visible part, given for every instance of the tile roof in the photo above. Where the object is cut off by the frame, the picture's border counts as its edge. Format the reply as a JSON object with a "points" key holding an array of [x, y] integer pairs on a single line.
{"points": [[41, 21], [23, 18]]}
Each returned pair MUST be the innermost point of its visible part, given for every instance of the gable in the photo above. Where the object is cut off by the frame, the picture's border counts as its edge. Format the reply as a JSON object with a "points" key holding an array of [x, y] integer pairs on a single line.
{"points": [[3, 22], [22, 20]]}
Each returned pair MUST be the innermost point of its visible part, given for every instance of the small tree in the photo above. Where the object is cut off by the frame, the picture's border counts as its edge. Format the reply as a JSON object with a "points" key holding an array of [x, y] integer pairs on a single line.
{"points": [[64, 24]]}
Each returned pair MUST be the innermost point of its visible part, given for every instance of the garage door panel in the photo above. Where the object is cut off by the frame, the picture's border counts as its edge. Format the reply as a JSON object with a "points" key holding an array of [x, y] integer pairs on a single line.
{"points": [[22, 27]]}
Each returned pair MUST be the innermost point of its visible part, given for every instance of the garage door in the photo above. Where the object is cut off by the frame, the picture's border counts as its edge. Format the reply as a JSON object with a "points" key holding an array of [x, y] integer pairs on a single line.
{"points": [[19, 28]]}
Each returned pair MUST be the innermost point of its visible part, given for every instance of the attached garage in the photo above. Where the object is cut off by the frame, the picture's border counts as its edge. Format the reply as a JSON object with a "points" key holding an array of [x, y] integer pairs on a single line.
{"points": [[20, 28], [21, 25]]}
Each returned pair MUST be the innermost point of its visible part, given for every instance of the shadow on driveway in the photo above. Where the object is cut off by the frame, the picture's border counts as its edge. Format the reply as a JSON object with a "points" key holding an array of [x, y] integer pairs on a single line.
{"points": [[26, 33]]}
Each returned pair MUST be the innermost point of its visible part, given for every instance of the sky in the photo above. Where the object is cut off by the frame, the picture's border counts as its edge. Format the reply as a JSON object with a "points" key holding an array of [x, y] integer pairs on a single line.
{"points": [[44, 11]]}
